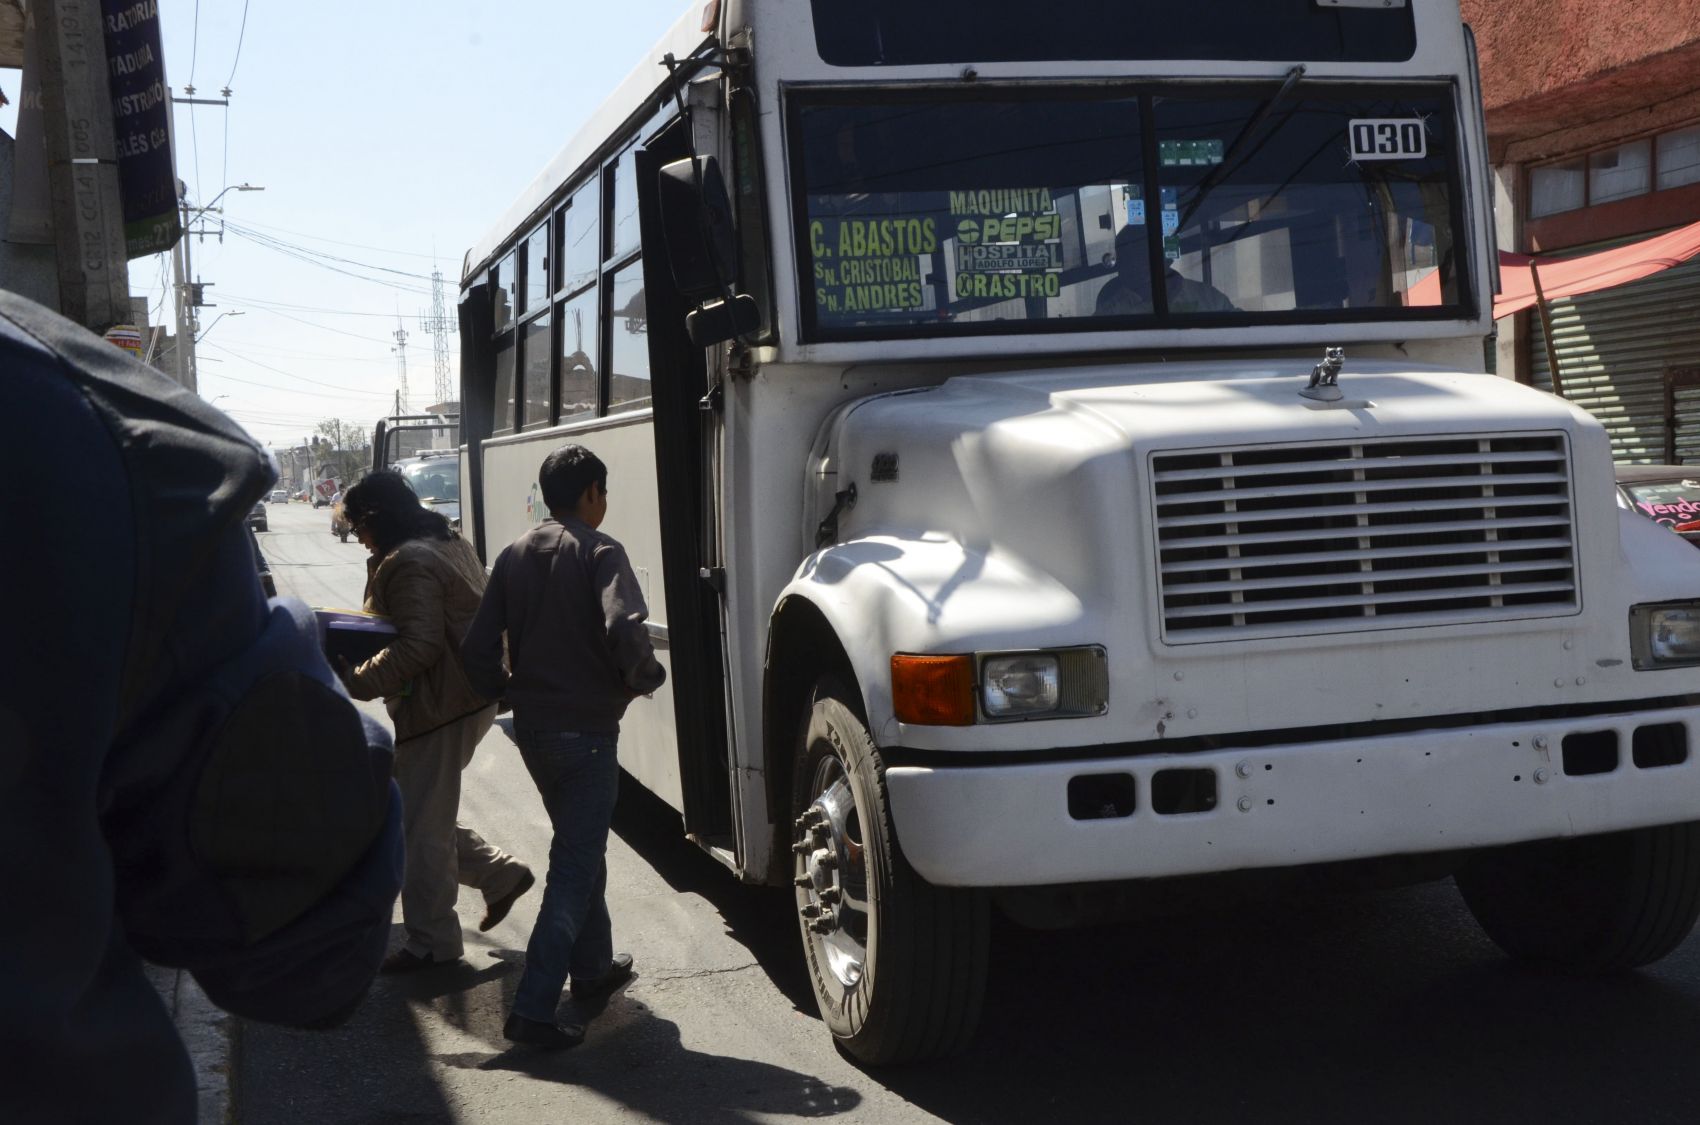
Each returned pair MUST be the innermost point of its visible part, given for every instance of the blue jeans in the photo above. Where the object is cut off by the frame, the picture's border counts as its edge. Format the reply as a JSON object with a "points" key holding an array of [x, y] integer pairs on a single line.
{"points": [[578, 776]]}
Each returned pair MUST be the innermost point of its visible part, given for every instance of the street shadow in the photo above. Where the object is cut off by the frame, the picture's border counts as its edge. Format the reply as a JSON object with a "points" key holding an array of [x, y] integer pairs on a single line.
{"points": [[373, 1069], [760, 919], [636, 1058], [1385, 1006]]}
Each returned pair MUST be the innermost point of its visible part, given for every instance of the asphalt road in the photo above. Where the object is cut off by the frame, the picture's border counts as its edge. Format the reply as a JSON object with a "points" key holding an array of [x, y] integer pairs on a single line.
{"points": [[1384, 1007]]}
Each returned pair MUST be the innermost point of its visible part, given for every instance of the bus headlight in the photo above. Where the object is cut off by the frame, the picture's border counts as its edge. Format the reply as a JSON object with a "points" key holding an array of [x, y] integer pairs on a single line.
{"points": [[1665, 636], [959, 689], [1057, 682], [1029, 684]]}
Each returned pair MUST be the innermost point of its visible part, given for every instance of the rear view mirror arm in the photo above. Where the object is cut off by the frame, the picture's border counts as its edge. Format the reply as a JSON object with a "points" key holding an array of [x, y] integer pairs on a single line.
{"points": [[674, 66]]}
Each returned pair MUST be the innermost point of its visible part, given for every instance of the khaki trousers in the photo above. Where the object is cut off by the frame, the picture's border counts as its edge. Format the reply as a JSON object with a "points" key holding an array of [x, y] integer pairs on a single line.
{"points": [[441, 852]]}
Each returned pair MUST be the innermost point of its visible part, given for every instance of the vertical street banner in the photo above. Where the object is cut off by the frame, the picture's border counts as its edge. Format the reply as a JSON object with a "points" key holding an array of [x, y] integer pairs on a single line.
{"points": [[141, 110], [32, 203]]}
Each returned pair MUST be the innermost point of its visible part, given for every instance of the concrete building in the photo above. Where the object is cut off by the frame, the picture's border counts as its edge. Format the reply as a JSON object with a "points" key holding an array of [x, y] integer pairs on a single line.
{"points": [[1593, 120]]}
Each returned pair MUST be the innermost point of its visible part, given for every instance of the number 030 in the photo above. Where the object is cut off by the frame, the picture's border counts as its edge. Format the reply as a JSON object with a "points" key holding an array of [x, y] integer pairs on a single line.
{"points": [[1390, 138]]}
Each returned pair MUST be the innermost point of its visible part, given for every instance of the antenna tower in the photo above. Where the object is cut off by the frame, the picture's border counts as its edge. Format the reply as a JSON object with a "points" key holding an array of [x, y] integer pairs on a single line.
{"points": [[400, 351], [439, 326]]}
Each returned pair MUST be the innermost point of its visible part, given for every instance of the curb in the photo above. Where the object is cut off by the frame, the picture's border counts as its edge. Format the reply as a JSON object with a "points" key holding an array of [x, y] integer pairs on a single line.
{"points": [[208, 1034]]}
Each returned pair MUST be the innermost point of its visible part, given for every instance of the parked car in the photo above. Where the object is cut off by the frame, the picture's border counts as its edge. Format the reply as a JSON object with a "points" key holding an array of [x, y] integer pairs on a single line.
{"points": [[1666, 494], [434, 475], [257, 516]]}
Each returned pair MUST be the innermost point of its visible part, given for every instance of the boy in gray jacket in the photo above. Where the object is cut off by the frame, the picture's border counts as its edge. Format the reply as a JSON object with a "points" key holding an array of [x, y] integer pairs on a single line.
{"points": [[578, 653]]}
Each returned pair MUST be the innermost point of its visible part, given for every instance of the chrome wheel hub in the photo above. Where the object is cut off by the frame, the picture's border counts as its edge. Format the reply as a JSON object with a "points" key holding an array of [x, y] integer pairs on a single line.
{"points": [[831, 875]]}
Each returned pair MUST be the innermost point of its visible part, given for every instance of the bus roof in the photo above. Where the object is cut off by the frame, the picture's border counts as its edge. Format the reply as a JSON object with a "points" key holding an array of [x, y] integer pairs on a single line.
{"points": [[627, 101]]}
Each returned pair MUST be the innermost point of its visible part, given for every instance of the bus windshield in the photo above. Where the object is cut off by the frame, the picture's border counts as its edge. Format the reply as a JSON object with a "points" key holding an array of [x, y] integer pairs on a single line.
{"points": [[944, 215]]}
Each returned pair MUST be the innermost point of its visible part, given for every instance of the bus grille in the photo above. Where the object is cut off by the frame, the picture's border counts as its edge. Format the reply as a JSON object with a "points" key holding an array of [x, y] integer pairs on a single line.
{"points": [[1296, 539]]}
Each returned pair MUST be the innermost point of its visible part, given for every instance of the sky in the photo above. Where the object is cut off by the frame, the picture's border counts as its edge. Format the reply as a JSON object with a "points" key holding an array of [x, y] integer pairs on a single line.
{"points": [[388, 138]]}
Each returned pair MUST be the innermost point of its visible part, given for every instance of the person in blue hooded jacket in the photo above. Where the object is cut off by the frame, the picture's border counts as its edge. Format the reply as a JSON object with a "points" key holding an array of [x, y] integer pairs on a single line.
{"points": [[182, 778]]}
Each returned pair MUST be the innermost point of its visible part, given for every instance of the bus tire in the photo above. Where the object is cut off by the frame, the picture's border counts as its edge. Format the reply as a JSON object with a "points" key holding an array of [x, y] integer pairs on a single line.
{"points": [[1595, 904], [898, 965]]}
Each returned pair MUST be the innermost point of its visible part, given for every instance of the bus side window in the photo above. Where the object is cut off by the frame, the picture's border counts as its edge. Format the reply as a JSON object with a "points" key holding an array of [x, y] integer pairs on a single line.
{"points": [[623, 206], [538, 348], [578, 382], [580, 378], [628, 379], [503, 415], [627, 321], [504, 291], [504, 284]]}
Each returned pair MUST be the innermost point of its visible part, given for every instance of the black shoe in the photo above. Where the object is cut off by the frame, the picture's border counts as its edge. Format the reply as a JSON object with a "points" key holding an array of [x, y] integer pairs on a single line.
{"points": [[497, 910], [536, 1033], [589, 991], [407, 961]]}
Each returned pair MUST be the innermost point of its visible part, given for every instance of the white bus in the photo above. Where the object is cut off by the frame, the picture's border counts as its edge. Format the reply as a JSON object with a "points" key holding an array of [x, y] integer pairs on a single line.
{"points": [[1055, 447]]}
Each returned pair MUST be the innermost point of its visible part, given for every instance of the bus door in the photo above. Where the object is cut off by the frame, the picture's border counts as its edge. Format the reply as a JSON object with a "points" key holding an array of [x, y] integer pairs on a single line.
{"points": [[686, 434], [477, 408]]}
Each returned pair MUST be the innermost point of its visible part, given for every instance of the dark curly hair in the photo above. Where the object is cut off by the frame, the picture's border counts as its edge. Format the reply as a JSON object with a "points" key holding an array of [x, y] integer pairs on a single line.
{"points": [[387, 509]]}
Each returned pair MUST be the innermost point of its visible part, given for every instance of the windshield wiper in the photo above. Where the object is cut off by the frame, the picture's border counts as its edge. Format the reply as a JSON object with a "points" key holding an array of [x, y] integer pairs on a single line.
{"points": [[1231, 159]]}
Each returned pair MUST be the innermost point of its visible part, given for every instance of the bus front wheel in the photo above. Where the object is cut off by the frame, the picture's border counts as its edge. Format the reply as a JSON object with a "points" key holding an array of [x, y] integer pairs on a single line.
{"points": [[898, 965], [1592, 904]]}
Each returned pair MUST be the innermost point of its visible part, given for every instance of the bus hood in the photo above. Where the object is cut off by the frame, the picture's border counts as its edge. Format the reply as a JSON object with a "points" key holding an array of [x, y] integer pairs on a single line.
{"points": [[1431, 507], [1201, 403], [1074, 475], [996, 459]]}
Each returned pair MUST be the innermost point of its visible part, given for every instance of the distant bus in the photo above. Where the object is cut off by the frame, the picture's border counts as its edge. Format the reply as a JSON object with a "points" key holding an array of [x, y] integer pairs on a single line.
{"points": [[1055, 452]]}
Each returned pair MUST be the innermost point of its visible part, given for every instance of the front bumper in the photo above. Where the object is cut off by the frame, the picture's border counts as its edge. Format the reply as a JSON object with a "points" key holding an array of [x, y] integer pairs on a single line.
{"points": [[1304, 803]]}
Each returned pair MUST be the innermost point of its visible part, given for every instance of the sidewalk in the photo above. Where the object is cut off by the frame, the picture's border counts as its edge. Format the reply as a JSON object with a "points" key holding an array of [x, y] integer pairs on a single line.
{"points": [[208, 1034]]}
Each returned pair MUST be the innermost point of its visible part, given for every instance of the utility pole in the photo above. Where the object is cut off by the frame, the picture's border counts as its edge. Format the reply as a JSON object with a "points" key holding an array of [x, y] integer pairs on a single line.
{"points": [[188, 296], [183, 353], [82, 159], [400, 350]]}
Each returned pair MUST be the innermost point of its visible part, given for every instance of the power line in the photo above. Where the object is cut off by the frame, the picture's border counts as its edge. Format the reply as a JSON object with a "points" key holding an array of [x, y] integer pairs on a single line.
{"points": [[291, 375], [195, 43], [272, 418], [297, 353], [338, 242], [206, 375], [195, 144], [254, 233], [224, 147], [194, 55], [267, 302], [323, 261], [315, 324], [240, 32], [271, 240]]}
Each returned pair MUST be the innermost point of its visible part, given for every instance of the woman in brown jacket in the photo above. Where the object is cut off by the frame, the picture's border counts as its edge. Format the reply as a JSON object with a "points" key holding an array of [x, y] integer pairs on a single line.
{"points": [[428, 581]]}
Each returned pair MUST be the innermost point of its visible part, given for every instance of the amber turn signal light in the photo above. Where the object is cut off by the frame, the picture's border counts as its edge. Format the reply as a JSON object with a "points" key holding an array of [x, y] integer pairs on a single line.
{"points": [[933, 690]]}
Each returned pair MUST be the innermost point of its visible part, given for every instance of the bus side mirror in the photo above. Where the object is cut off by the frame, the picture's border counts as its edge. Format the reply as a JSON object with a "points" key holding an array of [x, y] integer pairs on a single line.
{"points": [[702, 251], [718, 321]]}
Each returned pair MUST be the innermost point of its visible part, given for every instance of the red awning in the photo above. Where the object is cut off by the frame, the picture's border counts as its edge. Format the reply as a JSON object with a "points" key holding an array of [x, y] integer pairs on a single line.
{"points": [[1571, 277]]}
